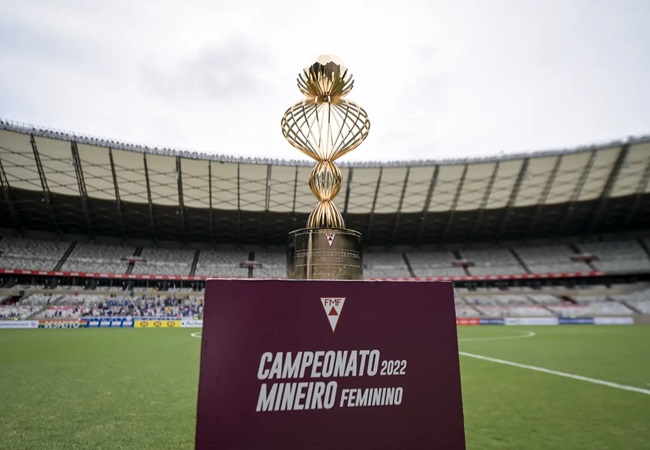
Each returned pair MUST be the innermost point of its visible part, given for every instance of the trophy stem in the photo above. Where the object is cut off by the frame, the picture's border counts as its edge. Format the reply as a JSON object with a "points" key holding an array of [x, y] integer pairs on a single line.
{"points": [[325, 182]]}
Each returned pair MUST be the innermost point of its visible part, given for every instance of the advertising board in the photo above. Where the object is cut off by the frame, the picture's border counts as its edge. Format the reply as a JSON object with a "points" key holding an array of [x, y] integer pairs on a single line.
{"points": [[305, 365], [61, 324], [468, 321], [613, 321], [157, 323], [530, 321], [492, 321], [18, 324], [576, 320], [109, 322]]}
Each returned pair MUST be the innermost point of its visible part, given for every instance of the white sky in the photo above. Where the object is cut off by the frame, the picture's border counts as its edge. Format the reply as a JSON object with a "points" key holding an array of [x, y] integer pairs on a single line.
{"points": [[439, 79]]}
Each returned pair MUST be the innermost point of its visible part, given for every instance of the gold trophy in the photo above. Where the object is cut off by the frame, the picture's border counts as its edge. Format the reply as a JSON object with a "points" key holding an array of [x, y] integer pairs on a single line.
{"points": [[325, 126]]}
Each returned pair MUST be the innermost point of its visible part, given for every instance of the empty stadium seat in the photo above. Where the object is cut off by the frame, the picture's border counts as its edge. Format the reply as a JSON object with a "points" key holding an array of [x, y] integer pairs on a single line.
{"points": [[492, 261], [384, 265], [164, 261], [223, 263], [618, 256], [31, 254], [550, 258], [98, 258], [20, 312]]}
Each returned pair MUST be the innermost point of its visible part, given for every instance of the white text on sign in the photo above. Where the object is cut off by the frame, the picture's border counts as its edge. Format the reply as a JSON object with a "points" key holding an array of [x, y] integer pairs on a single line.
{"points": [[311, 395]]}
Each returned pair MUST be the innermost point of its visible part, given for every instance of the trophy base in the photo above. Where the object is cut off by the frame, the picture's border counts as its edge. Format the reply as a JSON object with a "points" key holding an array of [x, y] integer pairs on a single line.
{"points": [[324, 254]]}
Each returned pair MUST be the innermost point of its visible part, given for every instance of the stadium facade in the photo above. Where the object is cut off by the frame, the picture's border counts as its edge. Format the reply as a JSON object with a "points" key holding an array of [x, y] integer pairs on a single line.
{"points": [[570, 218], [69, 184]]}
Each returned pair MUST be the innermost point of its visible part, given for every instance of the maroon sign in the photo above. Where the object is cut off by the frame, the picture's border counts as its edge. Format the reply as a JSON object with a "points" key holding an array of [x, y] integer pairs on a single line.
{"points": [[302, 365]]}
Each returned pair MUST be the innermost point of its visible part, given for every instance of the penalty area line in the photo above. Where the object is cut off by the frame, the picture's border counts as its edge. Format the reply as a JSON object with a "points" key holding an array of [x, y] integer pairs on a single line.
{"points": [[558, 373]]}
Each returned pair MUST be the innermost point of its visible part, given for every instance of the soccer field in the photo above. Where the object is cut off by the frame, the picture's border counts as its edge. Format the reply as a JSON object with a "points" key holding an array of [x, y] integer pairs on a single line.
{"points": [[571, 387]]}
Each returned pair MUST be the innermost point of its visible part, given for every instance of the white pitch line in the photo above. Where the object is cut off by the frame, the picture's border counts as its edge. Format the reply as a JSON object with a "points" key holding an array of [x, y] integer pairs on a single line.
{"points": [[560, 374], [496, 338], [196, 334]]}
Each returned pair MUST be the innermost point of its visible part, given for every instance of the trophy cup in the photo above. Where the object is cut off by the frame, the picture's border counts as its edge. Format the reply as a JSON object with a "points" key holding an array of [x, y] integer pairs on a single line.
{"points": [[325, 126]]}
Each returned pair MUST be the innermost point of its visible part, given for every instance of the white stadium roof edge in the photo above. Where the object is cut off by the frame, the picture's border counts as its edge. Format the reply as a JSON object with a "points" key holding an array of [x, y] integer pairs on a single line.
{"points": [[69, 183]]}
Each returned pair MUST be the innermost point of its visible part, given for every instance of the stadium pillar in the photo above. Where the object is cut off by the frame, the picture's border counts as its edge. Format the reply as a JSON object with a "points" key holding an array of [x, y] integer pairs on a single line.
{"points": [[607, 189], [399, 206], [7, 194], [44, 185], [152, 222], [638, 196], [81, 184], [118, 200], [427, 203]]}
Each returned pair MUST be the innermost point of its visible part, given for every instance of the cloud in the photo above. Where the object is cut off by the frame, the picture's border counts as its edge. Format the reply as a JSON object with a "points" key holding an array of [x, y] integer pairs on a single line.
{"points": [[220, 72], [438, 78]]}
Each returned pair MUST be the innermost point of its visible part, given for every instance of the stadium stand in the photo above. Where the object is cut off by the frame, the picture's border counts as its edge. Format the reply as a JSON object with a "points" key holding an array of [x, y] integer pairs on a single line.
{"points": [[383, 264], [98, 258], [506, 305], [31, 254], [102, 306], [559, 233], [221, 263], [15, 312], [617, 256], [544, 299], [466, 311], [38, 254], [164, 261], [492, 261], [273, 264], [431, 264], [550, 258], [41, 299], [75, 300], [24, 287], [638, 301], [590, 309]]}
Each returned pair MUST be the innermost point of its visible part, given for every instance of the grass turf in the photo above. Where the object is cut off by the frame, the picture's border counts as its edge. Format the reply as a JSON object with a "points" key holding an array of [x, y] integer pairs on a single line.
{"points": [[133, 388]]}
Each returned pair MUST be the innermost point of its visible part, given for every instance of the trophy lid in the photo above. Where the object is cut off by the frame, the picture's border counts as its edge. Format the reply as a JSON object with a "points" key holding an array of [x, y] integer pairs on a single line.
{"points": [[331, 65], [326, 79]]}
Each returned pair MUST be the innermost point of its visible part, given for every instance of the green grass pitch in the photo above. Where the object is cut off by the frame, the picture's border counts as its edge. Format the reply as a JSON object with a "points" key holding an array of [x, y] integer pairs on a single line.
{"points": [[136, 389]]}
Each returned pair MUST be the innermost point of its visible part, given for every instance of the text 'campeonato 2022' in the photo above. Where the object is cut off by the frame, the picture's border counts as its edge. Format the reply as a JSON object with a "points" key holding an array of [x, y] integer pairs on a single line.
{"points": [[310, 395]]}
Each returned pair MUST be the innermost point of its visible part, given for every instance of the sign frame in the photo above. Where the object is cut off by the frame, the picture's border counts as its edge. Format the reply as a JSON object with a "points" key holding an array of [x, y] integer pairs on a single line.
{"points": [[254, 330]]}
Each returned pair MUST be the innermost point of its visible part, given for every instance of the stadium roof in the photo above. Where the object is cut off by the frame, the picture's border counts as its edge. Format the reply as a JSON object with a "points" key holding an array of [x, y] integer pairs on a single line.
{"points": [[72, 184]]}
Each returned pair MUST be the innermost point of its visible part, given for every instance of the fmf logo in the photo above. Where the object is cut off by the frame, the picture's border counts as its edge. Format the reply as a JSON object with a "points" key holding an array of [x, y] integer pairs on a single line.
{"points": [[333, 307]]}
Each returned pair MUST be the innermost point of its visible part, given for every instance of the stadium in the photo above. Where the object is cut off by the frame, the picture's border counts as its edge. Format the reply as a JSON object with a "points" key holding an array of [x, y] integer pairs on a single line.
{"points": [[106, 234]]}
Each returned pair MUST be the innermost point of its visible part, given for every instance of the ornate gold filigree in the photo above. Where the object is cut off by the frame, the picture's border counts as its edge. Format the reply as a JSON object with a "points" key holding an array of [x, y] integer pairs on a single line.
{"points": [[325, 126]]}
